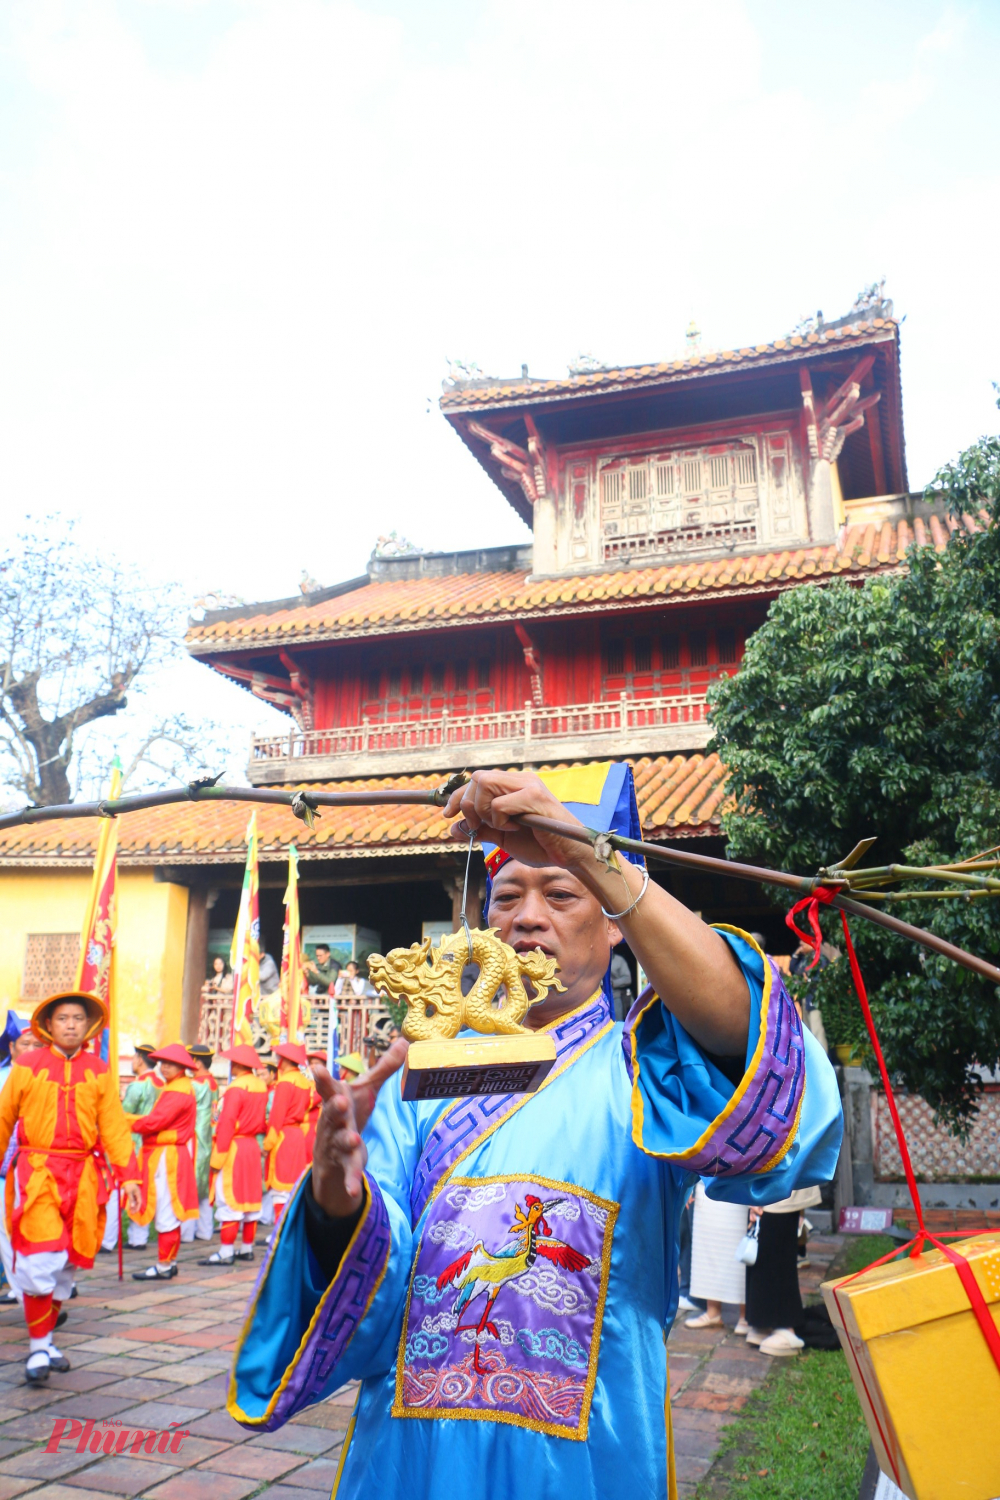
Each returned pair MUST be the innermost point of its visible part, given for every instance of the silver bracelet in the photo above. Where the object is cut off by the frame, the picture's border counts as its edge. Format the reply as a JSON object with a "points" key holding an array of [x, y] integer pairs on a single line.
{"points": [[616, 916]]}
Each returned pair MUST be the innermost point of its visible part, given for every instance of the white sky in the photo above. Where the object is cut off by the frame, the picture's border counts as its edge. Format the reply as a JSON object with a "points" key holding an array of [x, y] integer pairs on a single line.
{"points": [[239, 238]]}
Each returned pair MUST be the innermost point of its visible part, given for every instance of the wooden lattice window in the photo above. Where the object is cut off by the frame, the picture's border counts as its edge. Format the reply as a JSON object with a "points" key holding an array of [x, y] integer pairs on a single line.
{"points": [[746, 467], [718, 469], [692, 476], [50, 963], [613, 486]]}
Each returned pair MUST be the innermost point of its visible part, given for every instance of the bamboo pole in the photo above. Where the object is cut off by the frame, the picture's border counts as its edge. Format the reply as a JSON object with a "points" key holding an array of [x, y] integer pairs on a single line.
{"points": [[304, 803]]}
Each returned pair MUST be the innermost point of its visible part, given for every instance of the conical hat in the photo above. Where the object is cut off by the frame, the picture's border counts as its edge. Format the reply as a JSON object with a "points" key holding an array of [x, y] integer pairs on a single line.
{"points": [[293, 1052], [174, 1052], [95, 1008], [244, 1055]]}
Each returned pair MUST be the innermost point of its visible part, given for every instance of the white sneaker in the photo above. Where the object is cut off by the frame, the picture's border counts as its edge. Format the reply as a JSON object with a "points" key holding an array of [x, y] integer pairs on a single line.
{"points": [[742, 1327], [781, 1342], [684, 1304], [756, 1336]]}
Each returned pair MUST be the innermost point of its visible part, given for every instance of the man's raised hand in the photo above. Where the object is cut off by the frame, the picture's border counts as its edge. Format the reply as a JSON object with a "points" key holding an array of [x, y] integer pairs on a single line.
{"points": [[490, 799], [340, 1155]]}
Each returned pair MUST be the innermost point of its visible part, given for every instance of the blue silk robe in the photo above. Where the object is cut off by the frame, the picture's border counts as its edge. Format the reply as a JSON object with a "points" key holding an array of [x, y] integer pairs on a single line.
{"points": [[506, 1295]]}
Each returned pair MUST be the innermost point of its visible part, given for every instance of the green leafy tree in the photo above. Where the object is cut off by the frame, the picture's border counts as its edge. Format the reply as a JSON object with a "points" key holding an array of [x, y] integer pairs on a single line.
{"points": [[876, 710]]}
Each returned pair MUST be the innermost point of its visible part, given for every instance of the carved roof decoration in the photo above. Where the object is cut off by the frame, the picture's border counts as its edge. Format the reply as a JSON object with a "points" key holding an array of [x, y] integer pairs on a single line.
{"points": [[443, 602]]}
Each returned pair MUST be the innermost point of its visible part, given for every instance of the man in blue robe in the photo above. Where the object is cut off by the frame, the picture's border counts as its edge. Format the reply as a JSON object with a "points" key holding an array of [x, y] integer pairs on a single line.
{"points": [[501, 1272]]}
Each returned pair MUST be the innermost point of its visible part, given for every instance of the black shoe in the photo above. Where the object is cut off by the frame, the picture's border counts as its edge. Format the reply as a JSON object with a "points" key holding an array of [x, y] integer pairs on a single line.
{"points": [[63, 1315], [153, 1273], [36, 1371], [215, 1259], [57, 1359], [9, 1298], [244, 1255], [74, 1292]]}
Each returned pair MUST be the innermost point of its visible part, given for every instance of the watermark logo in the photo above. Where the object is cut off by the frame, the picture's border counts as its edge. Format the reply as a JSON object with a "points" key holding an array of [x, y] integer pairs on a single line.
{"points": [[113, 1437]]}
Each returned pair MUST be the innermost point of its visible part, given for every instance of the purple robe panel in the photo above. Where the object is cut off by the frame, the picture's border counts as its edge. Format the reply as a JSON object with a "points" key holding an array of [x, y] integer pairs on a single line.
{"points": [[506, 1299]]}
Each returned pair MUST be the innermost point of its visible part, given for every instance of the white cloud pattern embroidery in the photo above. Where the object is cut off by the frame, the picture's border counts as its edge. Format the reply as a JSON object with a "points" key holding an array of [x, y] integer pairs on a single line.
{"points": [[549, 1289], [451, 1232], [473, 1199]]}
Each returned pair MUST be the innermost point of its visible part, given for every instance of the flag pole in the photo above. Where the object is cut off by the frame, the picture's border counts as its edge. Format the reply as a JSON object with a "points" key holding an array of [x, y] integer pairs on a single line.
{"points": [[96, 972], [291, 955]]}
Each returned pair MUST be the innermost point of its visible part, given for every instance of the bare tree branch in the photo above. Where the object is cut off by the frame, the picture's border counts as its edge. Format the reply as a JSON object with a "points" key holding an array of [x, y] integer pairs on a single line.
{"points": [[76, 631]]}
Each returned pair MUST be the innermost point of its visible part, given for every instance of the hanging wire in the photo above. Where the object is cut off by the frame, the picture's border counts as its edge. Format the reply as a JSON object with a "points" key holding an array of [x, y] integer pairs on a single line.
{"points": [[465, 893]]}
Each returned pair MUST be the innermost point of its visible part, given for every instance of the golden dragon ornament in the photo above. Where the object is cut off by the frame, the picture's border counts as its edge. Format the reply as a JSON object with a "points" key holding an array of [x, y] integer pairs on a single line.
{"points": [[429, 981]]}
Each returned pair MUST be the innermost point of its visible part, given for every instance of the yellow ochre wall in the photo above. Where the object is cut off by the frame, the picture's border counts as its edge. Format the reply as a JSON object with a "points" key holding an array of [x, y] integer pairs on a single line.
{"points": [[152, 924]]}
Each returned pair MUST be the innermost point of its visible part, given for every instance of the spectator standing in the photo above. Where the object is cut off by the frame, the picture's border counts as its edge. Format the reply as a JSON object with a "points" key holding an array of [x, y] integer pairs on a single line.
{"points": [[220, 981], [323, 969], [351, 983], [270, 979], [716, 1274], [774, 1303]]}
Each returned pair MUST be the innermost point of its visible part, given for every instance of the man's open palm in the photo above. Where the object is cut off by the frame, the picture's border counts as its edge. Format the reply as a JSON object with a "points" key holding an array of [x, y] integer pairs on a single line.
{"points": [[340, 1154]]}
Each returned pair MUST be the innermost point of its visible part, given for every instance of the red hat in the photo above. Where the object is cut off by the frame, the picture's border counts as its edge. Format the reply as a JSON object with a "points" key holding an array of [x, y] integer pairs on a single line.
{"points": [[176, 1052], [244, 1055], [318, 1056], [293, 1052]]}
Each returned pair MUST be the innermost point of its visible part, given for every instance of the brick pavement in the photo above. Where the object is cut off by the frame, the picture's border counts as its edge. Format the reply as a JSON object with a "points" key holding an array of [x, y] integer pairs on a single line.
{"points": [[152, 1356], [148, 1356], [712, 1373]]}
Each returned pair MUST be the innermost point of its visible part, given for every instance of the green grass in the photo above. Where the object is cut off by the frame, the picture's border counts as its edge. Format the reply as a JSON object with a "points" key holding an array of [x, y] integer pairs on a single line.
{"points": [[859, 1252], [801, 1436]]}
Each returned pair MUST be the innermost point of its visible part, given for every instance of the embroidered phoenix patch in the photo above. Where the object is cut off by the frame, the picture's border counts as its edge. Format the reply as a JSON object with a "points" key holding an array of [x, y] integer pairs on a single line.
{"points": [[506, 1299]]}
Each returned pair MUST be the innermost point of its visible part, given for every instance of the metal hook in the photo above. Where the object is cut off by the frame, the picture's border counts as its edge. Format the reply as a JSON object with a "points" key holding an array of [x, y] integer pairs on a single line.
{"points": [[465, 893]]}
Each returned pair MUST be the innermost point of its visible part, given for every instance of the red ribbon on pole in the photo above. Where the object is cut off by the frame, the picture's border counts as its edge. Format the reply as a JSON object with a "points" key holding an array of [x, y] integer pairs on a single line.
{"points": [[822, 896]]}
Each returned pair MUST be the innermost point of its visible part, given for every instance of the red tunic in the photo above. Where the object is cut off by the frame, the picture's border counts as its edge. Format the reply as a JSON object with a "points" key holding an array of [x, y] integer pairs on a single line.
{"points": [[242, 1118], [286, 1141], [69, 1113], [168, 1132]]}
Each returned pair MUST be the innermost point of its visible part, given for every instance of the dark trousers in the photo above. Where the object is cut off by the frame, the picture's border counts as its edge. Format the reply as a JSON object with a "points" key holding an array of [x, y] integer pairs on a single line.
{"points": [[773, 1299]]}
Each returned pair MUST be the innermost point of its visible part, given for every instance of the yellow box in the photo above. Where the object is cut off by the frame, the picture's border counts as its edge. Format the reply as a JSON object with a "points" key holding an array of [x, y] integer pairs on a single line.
{"points": [[925, 1377]]}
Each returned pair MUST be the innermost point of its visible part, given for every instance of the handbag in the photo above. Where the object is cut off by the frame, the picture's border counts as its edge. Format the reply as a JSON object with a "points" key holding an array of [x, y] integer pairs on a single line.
{"points": [[746, 1250]]}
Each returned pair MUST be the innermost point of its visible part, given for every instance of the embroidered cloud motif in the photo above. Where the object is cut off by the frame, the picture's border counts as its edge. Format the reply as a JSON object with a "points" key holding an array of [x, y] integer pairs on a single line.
{"points": [[451, 1232], [549, 1288], [472, 1199], [550, 1343]]}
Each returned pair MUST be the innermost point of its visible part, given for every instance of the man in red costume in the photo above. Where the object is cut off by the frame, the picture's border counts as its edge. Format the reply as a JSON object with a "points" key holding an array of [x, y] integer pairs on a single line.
{"points": [[237, 1186], [57, 1189], [285, 1144], [169, 1194]]}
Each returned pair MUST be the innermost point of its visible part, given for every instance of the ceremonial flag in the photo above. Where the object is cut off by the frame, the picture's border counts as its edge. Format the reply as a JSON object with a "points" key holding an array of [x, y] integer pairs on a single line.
{"points": [[244, 956], [95, 974], [293, 977]]}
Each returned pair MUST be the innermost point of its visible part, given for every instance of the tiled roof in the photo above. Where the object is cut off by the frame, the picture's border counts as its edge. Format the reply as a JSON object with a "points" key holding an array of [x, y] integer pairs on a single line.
{"points": [[476, 395], [426, 603], [679, 796]]}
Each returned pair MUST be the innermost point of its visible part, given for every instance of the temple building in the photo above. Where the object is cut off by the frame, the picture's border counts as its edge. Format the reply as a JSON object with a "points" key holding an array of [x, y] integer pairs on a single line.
{"points": [[669, 504]]}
